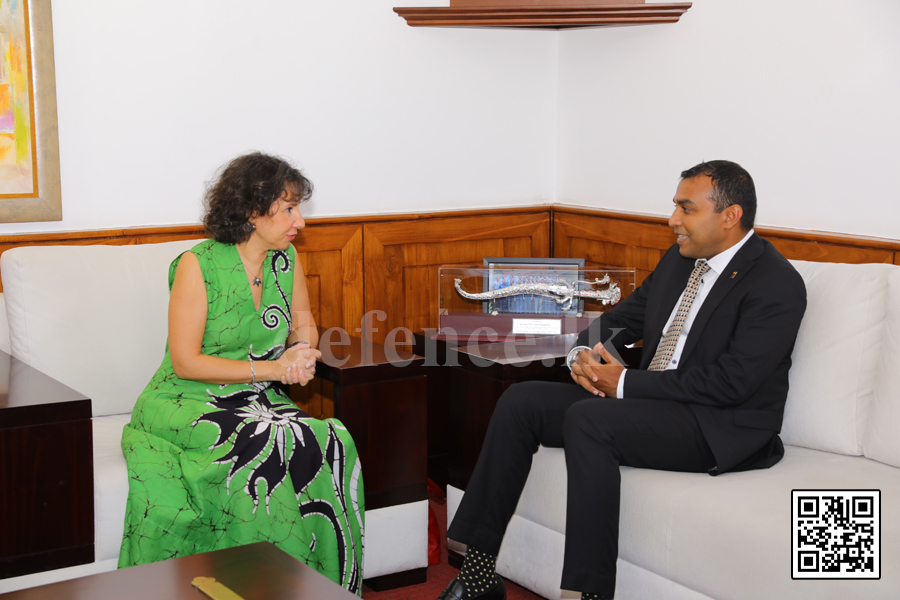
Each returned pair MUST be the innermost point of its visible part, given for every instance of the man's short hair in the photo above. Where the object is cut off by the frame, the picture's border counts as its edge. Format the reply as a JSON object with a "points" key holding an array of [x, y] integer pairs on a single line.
{"points": [[732, 184]]}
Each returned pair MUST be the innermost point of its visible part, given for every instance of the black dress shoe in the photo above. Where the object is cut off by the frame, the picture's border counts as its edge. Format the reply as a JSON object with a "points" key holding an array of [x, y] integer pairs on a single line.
{"points": [[457, 591]]}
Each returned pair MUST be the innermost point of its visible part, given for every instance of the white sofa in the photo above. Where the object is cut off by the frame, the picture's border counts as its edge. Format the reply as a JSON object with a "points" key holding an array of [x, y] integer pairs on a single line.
{"points": [[95, 318], [696, 537]]}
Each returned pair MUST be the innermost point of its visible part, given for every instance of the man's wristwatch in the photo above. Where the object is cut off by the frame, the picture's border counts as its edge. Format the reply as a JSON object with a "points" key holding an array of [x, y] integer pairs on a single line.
{"points": [[573, 355]]}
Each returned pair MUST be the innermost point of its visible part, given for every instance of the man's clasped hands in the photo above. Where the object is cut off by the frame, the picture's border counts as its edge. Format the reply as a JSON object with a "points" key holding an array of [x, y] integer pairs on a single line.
{"points": [[598, 378]]}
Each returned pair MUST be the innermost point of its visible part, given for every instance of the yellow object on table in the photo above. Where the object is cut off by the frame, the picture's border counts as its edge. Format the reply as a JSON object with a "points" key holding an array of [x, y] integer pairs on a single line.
{"points": [[214, 589]]}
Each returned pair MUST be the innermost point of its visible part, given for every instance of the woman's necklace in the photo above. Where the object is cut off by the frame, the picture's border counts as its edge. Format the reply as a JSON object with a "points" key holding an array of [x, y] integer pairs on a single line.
{"points": [[256, 279]]}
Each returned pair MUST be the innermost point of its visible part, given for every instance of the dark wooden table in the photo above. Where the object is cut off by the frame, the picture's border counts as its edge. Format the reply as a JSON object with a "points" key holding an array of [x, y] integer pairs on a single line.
{"points": [[47, 472], [435, 353], [481, 376], [255, 572], [382, 400], [466, 379], [476, 378]]}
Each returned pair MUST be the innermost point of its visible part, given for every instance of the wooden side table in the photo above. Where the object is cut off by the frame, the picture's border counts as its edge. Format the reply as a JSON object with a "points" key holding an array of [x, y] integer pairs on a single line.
{"points": [[465, 380], [47, 475], [483, 373], [383, 404], [425, 343], [480, 375], [382, 399]]}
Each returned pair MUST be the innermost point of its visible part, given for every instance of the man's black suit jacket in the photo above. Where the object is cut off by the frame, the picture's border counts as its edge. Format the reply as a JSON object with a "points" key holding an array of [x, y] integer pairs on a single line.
{"points": [[733, 371]]}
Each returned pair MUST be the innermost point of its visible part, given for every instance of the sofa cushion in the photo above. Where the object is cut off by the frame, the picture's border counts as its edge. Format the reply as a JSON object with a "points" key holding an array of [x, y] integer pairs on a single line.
{"points": [[727, 536], [882, 440], [532, 556], [834, 359], [93, 317]]}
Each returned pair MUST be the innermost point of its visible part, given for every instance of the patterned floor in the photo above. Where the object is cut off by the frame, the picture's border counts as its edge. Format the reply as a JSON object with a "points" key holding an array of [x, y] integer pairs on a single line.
{"points": [[439, 575]]}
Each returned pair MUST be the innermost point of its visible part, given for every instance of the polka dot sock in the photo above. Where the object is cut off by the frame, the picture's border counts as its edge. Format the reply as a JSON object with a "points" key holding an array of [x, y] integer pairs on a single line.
{"points": [[590, 596], [477, 572]]}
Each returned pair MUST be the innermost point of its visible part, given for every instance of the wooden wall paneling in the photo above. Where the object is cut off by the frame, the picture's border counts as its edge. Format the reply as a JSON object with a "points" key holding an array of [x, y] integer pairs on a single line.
{"points": [[646, 235], [638, 233], [609, 242], [421, 283], [427, 216], [331, 257], [522, 246], [402, 259], [819, 252], [608, 255]]}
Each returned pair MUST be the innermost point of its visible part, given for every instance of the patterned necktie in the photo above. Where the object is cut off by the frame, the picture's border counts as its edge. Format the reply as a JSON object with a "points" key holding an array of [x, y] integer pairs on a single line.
{"points": [[666, 348]]}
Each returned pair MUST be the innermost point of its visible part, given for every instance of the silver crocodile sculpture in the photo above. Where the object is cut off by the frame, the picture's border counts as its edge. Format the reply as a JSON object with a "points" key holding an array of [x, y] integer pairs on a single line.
{"points": [[562, 294]]}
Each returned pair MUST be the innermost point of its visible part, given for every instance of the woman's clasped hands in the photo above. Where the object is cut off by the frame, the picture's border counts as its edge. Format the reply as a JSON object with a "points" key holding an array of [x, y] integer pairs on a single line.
{"points": [[299, 364]]}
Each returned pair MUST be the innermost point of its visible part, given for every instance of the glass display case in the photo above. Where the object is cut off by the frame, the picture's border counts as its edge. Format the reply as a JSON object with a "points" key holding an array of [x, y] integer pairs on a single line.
{"points": [[549, 296]]}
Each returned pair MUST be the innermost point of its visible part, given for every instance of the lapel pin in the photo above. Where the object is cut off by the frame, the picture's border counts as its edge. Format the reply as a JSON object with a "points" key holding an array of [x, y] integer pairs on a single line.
{"points": [[733, 274]]}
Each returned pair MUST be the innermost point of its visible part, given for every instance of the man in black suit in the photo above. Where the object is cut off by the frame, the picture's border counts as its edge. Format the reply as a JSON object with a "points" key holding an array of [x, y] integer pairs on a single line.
{"points": [[718, 317]]}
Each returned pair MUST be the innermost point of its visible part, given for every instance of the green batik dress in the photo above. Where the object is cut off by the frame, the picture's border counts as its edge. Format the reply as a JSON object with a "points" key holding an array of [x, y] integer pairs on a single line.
{"points": [[214, 466]]}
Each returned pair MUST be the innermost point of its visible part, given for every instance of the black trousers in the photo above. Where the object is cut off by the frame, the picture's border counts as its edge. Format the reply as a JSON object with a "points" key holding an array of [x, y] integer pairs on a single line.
{"points": [[598, 435]]}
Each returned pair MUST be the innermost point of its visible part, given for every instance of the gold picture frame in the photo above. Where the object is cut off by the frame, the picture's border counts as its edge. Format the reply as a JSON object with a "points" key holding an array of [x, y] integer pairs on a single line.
{"points": [[43, 202]]}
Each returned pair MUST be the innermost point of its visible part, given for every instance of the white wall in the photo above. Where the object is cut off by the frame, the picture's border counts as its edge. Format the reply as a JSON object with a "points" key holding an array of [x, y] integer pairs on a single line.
{"points": [[154, 96], [383, 117], [805, 95]]}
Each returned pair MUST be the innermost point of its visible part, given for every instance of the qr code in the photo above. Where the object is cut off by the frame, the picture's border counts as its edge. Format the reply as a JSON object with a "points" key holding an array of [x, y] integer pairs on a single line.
{"points": [[836, 534]]}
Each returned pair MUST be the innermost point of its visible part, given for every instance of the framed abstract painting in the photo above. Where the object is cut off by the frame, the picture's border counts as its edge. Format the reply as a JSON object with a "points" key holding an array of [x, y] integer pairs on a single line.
{"points": [[29, 141]]}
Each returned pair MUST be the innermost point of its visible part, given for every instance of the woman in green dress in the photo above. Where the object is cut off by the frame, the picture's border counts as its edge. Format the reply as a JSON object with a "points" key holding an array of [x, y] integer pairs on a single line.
{"points": [[218, 456]]}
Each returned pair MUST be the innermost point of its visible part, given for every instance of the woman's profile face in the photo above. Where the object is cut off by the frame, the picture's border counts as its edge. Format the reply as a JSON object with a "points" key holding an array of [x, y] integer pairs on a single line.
{"points": [[277, 229]]}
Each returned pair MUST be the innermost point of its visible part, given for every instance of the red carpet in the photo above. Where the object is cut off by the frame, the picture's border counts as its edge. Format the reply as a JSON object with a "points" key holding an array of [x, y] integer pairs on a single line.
{"points": [[439, 575]]}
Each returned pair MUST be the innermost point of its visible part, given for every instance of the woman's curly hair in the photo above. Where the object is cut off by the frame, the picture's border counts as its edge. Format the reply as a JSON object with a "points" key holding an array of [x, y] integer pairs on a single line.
{"points": [[248, 187]]}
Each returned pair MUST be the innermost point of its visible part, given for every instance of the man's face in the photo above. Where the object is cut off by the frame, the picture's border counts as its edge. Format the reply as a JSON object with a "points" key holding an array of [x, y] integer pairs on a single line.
{"points": [[702, 232]]}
